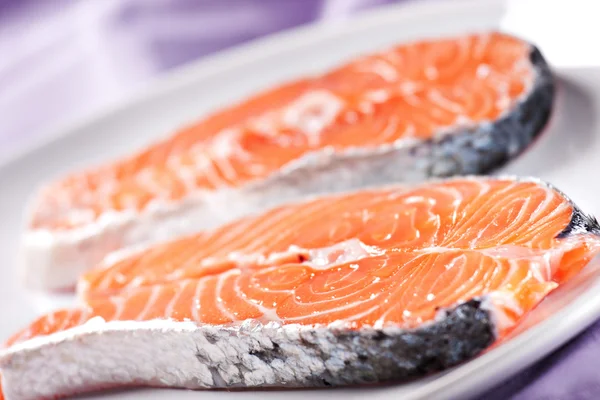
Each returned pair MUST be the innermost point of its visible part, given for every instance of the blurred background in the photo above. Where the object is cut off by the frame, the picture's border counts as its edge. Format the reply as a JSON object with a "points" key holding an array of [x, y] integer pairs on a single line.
{"points": [[62, 60]]}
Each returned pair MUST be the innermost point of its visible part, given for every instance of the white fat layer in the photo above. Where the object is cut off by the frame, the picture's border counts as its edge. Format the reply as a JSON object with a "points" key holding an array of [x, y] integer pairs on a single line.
{"points": [[312, 113], [317, 258], [504, 301], [340, 253], [498, 303]]}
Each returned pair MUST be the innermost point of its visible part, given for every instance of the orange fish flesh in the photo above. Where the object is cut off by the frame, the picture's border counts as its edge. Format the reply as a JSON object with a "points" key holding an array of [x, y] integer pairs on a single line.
{"points": [[462, 105]]}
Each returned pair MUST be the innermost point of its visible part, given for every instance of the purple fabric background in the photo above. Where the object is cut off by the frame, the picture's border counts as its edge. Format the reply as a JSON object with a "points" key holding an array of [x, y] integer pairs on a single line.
{"points": [[64, 59]]}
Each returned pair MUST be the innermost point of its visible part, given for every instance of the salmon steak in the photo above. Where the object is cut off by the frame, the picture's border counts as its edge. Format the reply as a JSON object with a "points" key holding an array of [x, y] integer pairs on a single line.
{"points": [[375, 285], [433, 108]]}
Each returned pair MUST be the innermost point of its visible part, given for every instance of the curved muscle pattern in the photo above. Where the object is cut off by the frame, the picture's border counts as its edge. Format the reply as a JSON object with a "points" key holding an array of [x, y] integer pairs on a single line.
{"points": [[408, 92], [382, 257]]}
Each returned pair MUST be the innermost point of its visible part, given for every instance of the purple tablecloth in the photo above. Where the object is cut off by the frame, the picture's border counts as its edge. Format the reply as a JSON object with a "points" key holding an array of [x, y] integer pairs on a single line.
{"points": [[63, 59]]}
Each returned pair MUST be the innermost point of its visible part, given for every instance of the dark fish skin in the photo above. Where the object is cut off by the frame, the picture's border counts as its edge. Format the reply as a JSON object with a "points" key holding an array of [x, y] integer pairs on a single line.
{"points": [[488, 146], [376, 356], [580, 223]]}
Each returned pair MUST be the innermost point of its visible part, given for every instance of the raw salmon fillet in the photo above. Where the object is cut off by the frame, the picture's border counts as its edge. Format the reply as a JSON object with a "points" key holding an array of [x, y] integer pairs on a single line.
{"points": [[368, 286], [444, 107]]}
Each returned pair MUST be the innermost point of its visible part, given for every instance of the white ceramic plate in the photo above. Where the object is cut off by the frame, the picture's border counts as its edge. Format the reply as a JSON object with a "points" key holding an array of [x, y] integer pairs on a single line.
{"points": [[566, 155]]}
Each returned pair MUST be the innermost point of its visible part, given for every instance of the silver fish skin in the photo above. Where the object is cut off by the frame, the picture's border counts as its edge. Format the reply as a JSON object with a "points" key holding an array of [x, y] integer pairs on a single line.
{"points": [[161, 353]]}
